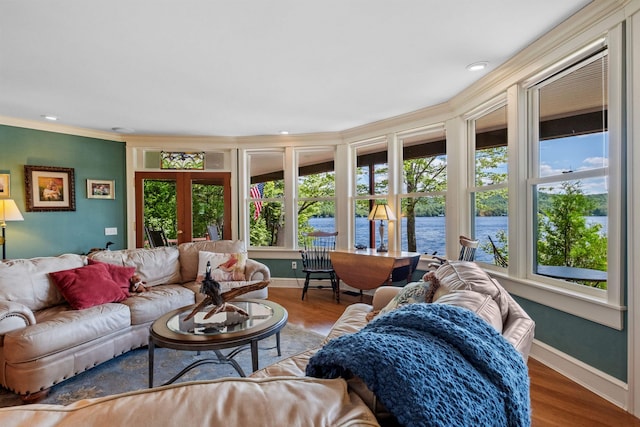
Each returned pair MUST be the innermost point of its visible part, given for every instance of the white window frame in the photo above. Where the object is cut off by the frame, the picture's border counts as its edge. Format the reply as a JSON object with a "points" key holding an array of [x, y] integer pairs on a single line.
{"points": [[298, 199], [389, 197], [400, 137], [606, 309], [470, 119], [244, 184]]}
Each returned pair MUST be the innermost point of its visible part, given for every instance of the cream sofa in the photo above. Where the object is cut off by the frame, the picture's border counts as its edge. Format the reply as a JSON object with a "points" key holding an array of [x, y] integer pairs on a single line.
{"points": [[44, 341], [281, 394]]}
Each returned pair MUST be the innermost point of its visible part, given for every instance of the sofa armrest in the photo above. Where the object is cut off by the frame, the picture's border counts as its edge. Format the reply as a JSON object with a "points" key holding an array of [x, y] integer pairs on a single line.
{"points": [[383, 295], [255, 270], [14, 315], [519, 328]]}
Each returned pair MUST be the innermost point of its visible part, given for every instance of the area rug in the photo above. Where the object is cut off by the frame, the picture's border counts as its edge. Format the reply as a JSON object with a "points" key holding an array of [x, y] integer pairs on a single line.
{"points": [[131, 370]]}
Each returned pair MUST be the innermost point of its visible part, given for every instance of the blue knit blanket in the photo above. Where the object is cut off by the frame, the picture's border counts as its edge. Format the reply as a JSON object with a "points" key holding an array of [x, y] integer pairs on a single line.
{"points": [[433, 365]]}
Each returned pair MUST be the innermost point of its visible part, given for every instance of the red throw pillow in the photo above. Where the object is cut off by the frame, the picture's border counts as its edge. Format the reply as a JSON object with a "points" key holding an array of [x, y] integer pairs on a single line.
{"points": [[88, 286], [119, 274]]}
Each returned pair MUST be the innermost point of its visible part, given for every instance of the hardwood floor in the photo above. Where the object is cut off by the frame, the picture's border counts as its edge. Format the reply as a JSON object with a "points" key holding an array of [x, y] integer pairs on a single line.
{"points": [[555, 400]]}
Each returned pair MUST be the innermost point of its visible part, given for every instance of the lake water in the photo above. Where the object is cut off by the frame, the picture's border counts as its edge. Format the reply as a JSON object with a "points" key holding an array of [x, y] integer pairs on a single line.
{"points": [[430, 232]]}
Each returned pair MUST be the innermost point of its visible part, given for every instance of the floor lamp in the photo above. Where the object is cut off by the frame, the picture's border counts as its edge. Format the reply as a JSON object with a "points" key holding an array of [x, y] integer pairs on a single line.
{"points": [[383, 213], [8, 212]]}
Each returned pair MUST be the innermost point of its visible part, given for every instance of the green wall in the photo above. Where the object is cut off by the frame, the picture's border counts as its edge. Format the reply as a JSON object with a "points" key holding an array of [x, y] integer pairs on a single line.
{"points": [[54, 233], [599, 346]]}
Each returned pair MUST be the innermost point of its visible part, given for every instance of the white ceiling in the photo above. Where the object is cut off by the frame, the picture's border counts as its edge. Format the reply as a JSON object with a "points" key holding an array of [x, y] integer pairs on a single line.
{"points": [[252, 67]]}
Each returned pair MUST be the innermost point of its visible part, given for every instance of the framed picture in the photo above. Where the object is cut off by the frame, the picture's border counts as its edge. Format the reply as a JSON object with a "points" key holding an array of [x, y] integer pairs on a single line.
{"points": [[5, 185], [101, 189], [49, 189]]}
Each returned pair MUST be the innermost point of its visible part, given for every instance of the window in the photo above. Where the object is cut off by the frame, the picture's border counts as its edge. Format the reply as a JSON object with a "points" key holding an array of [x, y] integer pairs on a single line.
{"points": [[424, 184], [570, 174], [265, 204], [372, 183], [316, 191], [489, 195]]}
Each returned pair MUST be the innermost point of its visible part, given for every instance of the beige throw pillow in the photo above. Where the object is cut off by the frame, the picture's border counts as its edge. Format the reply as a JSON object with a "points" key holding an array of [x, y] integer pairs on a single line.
{"points": [[224, 267]]}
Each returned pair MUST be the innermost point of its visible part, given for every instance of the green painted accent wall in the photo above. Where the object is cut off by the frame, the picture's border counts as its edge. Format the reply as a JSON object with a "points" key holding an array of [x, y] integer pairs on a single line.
{"points": [[596, 345], [54, 233]]}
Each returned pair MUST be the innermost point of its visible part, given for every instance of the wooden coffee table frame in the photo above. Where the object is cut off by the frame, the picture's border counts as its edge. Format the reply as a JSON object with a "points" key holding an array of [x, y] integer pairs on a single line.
{"points": [[161, 336]]}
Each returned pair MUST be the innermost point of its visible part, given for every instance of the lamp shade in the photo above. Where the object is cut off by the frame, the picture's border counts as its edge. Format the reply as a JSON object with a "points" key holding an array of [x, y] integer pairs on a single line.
{"points": [[382, 212], [9, 211]]}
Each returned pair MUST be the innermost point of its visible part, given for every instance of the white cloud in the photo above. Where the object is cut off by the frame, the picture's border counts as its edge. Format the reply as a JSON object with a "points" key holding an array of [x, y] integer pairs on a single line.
{"points": [[596, 161]]}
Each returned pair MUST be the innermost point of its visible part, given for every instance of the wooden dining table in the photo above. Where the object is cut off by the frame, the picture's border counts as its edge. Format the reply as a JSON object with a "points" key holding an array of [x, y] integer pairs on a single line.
{"points": [[367, 269]]}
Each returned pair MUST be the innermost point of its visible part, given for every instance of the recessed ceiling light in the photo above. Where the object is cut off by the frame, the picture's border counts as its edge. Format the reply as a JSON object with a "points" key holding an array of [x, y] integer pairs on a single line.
{"points": [[477, 66], [49, 117]]}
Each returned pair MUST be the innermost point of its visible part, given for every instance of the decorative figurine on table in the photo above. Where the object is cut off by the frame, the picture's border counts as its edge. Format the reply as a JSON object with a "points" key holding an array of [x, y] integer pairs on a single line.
{"points": [[211, 289]]}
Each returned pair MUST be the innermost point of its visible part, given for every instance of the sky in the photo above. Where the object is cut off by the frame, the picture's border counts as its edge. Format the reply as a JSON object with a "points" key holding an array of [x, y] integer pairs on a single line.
{"points": [[576, 153]]}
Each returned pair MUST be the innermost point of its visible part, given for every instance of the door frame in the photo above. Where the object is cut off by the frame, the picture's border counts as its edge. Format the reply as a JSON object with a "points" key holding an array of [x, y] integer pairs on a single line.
{"points": [[183, 200]]}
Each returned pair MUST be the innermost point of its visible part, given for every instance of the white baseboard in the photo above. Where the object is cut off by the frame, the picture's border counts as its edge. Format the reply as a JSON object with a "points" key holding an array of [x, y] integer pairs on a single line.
{"points": [[604, 385]]}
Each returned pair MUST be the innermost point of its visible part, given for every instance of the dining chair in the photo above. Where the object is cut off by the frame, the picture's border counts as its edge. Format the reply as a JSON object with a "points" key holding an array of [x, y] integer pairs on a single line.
{"points": [[316, 260], [156, 238], [213, 232], [468, 249]]}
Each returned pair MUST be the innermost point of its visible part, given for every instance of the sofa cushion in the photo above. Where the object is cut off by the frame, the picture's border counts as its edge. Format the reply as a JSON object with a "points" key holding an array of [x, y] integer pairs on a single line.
{"points": [[27, 281], [148, 306], [455, 275], [60, 328], [189, 254], [224, 266], [88, 286], [157, 266], [481, 304]]}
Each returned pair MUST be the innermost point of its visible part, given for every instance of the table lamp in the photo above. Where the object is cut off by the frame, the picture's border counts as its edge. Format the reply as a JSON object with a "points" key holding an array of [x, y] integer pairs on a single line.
{"points": [[8, 212], [383, 213]]}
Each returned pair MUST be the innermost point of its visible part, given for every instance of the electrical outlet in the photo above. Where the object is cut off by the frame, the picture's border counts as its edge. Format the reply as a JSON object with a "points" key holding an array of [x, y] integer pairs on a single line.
{"points": [[111, 231], [294, 265]]}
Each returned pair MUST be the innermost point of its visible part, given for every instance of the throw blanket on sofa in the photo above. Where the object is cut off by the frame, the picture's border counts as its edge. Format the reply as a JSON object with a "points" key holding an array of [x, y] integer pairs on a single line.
{"points": [[433, 365]]}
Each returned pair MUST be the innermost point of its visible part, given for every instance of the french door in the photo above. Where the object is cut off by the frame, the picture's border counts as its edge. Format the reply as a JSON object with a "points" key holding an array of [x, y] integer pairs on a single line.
{"points": [[187, 206]]}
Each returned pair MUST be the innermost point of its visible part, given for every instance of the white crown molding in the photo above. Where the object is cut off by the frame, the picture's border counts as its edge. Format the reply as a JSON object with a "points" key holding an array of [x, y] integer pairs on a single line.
{"points": [[331, 138], [578, 29], [415, 119], [58, 128]]}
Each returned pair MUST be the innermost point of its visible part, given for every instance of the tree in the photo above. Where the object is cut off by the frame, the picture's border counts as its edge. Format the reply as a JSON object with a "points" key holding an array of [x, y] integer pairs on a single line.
{"points": [[160, 206], [564, 236], [421, 175], [489, 171], [207, 208]]}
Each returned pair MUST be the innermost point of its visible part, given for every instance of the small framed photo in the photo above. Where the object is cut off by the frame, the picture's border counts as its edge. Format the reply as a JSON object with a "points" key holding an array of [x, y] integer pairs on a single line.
{"points": [[101, 189], [5, 185], [49, 188]]}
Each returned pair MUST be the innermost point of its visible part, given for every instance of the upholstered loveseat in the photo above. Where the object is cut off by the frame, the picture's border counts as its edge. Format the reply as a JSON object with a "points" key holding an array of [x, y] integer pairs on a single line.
{"points": [[45, 340]]}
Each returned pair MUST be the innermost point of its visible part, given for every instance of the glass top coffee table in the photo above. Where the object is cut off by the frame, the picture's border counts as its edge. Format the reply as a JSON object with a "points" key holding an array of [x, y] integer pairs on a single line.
{"points": [[221, 331]]}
